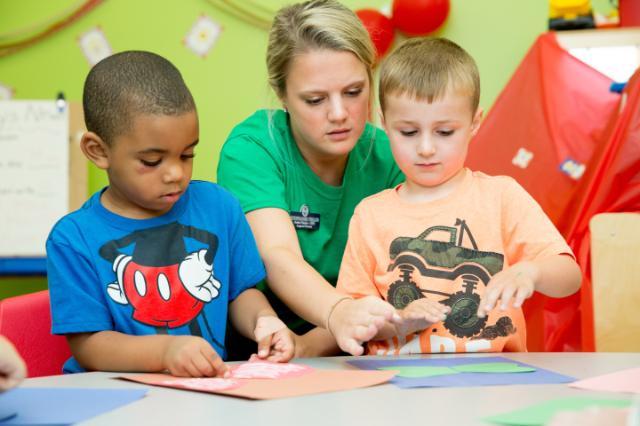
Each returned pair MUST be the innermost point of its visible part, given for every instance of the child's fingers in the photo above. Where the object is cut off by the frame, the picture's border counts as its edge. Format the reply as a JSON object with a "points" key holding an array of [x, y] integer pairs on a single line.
{"points": [[376, 307], [189, 369], [490, 299], [7, 383], [352, 347], [264, 346], [507, 293], [434, 312], [221, 369], [200, 367], [522, 294], [435, 316], [178, 369], [203, 366]]}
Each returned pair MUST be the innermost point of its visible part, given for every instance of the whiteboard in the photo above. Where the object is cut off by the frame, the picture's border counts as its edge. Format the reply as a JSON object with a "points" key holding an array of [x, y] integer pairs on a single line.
{"points": [[34, 174]]}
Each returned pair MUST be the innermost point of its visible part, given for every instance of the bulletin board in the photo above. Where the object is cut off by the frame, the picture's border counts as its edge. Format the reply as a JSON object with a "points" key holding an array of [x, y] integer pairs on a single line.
{"points": [[43, 176]]}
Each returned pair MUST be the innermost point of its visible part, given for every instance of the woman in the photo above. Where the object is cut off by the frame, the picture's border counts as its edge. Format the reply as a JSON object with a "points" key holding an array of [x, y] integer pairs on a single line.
{"points": [[299, 172]]}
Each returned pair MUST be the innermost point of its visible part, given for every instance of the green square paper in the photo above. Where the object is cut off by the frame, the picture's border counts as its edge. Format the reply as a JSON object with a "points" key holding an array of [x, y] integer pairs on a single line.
{"points": [[493, 367], [540, 414], [420, 371]]}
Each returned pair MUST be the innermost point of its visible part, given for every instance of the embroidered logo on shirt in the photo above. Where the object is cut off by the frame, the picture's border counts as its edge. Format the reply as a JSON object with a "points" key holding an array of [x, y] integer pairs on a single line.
{"points": [[304, 219]]}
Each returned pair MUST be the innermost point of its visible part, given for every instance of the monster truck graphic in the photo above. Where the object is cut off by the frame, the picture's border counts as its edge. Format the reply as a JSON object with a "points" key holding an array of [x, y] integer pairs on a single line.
{"points": [[445, 260]]}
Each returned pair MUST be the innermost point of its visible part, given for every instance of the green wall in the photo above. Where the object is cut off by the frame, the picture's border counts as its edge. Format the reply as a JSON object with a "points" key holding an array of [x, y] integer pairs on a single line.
{"points": [[231, 81]]}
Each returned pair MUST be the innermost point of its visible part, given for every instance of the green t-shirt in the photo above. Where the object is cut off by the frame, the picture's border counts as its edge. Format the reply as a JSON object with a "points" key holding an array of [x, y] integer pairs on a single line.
{"points": [[261, 165]]}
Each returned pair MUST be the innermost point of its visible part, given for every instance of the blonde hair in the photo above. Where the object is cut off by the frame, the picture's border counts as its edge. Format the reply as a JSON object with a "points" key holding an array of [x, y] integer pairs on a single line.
{"points": [[315, 24], [425, 68]]}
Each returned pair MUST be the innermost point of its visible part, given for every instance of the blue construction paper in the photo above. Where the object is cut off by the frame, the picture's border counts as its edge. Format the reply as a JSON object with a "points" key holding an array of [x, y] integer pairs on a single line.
{"points": [[6, 413], [539, 376], [63, 406]]}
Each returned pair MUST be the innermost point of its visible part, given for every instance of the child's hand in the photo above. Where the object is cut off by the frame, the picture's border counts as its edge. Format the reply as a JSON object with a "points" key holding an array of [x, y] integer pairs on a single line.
{"points": [[353, 322], [420, 314], [516, 282], [192, 356], [12, 367], [276, 342]]}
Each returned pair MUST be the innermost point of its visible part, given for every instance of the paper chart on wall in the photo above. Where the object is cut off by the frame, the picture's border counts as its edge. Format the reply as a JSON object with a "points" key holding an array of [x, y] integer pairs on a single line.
{"points": [[34, 174]]}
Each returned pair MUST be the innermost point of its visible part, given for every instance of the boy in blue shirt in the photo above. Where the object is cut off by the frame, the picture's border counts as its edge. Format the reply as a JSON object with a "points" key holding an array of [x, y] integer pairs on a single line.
{"points": [[144, 275]]}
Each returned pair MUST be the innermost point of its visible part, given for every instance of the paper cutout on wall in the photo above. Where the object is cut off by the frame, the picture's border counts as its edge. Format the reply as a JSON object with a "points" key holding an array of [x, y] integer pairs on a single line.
{"points": [[522, 158], [6, 92], [572, 168], [94, 45], [202, 36], [268, 370]]}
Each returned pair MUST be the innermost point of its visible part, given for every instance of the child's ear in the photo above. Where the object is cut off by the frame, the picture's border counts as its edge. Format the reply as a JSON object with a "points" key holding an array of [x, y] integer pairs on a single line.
{"points": [[95, 149], [477, 119]]}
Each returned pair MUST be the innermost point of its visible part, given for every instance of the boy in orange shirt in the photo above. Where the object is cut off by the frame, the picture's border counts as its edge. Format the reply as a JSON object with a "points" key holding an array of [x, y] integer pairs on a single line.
{"points": [[455, 251]]}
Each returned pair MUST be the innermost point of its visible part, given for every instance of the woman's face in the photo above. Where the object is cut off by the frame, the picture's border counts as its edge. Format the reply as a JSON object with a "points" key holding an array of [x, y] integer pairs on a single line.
{"points": [[327, 96]]}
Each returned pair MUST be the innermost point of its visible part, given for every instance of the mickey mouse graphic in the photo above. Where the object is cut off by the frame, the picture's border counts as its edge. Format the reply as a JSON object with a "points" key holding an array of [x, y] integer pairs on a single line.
{"points": [[166, 286]]}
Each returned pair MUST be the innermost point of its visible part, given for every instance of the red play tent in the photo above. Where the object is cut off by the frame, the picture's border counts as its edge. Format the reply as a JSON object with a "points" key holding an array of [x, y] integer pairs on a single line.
{"points": [[610, 184], [551, 129]]}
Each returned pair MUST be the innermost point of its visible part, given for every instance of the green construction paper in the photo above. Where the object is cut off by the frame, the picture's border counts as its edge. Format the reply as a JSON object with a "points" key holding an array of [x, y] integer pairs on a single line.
{"points": [[493, 367], [540, 414], [420, 371]]}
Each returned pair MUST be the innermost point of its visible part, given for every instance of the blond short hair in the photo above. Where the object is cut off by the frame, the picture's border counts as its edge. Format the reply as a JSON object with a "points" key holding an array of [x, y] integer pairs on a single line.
{"points": [[426, 68], [314, 25]]}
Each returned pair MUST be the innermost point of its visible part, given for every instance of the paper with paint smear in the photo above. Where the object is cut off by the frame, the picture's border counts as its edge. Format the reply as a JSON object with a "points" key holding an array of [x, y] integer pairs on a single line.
{"points": [[292, 382]]}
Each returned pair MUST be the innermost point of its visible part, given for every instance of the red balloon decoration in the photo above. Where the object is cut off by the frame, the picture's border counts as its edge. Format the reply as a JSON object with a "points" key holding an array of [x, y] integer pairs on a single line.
{"points": [[379, 27], [419, 17]]}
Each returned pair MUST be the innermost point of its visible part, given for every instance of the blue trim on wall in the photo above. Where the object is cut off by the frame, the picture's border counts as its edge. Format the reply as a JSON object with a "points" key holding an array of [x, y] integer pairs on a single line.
{"points": [[23, 266]]}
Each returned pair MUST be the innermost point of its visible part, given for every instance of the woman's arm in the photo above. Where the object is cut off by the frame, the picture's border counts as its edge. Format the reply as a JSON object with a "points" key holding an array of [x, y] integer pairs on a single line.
{"points": [[305, 291]]}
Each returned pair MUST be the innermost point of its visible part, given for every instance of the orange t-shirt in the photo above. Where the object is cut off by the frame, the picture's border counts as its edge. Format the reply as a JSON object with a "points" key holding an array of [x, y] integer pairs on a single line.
{"points": [[448, 250]]}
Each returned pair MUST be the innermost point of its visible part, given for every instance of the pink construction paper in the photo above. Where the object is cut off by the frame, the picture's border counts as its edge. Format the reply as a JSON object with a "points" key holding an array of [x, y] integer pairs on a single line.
{"points": [[268, 370], [316, 381], [204, 384], [620, 381]]}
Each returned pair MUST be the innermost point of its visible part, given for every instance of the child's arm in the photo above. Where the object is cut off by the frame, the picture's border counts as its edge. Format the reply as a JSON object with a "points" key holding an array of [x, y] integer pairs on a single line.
{"points": [[555, 276], [254, 318], [185, 356]]}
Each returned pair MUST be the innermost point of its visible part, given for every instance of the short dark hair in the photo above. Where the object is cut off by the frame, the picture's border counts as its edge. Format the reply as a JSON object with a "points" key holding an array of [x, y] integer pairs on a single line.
{"points": [[130, 83]]}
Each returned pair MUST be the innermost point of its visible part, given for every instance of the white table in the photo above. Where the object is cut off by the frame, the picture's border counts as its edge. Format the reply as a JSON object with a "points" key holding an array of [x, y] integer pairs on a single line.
{"points": [[379, 405]]}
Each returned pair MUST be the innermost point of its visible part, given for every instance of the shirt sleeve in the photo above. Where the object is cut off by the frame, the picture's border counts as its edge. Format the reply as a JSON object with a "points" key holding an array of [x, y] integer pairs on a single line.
{"points": [[527, 231], [252, 174], [358, 263], [246, 268], [77, 301]]}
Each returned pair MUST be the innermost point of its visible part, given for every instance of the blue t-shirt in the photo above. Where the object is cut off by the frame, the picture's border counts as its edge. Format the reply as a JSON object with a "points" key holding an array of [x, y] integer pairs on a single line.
{"points": [[173, 274]]}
